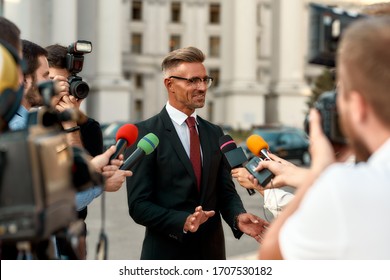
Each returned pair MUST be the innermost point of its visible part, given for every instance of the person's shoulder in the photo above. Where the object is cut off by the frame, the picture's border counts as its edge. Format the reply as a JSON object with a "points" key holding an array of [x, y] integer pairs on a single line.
{"points": [[147, 122], [344, 177], [208, 124]]}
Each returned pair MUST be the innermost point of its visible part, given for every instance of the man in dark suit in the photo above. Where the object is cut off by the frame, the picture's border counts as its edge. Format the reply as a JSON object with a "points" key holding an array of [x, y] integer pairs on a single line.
{"points": [[182, 212]]}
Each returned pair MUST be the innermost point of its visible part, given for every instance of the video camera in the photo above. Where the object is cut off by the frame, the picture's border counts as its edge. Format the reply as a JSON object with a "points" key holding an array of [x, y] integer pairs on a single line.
{"points": [[39, 176], [74, 64]]}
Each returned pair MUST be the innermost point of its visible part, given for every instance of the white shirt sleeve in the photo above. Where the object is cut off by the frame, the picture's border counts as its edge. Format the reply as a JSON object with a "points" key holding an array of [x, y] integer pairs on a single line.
{"points": [[276, 199], [315, 230]]}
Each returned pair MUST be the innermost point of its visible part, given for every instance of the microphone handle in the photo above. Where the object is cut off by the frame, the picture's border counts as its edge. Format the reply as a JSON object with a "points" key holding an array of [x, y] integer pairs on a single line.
{"points": [[264, 152], [120, 146], [132, 159]]}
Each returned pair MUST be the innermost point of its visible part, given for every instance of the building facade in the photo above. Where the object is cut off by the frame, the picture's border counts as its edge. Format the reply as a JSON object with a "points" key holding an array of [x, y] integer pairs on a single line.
{"points": [[256, 51]]}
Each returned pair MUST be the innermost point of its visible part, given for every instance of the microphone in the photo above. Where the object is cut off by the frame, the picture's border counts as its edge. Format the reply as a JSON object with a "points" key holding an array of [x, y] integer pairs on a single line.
{"points": [[234, 156], [125, 137], [145, 146], [257, 145]]}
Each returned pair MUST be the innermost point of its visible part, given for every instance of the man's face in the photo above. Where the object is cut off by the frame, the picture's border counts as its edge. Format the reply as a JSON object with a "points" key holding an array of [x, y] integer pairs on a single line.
{"points": [[41, 74], [58, 72], [347, 123], [183, 95]]}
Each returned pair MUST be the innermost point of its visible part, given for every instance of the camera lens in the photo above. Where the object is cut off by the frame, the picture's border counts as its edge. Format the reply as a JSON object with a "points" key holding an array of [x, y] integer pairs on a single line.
{"points": [[78, 88]]}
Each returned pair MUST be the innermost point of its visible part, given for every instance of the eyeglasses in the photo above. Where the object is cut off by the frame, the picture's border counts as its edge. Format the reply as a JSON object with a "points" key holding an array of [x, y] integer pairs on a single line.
{"points": [[196, 81]]}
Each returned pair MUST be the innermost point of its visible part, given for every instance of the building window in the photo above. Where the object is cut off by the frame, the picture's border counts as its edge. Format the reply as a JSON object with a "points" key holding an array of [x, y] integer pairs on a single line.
{"points": [[215, 13], [215, 74], [258, 17], [136, 43], [174, 42], [215, 46], [175, 11], [126, 75], [136, 10], [138, 108], [259, 75], [258, 47], [139, 81]]}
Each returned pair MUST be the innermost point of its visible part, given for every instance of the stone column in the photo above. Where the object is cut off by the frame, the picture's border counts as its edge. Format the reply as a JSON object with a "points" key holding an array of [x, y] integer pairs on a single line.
{"points": [[110, 93], [238, 84], [289, 92], [64, 22]]}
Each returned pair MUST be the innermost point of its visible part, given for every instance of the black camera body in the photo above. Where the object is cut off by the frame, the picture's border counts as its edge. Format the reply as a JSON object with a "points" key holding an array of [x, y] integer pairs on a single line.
{"points": [[327, 106], [74, 64]]}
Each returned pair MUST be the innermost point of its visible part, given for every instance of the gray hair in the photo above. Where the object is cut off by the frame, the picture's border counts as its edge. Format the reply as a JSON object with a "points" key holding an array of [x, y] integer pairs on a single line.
{"points": [[176, 57]]}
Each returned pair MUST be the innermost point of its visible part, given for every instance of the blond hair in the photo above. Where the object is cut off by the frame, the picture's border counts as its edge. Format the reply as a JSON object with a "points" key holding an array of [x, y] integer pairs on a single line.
{"points": [[364, 50]]}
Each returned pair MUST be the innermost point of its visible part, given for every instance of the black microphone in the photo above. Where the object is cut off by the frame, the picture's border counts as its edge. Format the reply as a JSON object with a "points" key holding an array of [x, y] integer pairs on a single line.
{"points": [[144, 147], [257, 145], [234, 156], [125, 137]]}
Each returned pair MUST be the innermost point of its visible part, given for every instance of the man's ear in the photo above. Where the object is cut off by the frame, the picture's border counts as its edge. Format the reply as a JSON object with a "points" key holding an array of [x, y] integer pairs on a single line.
{"points": [[168, 83], [358, 106]]}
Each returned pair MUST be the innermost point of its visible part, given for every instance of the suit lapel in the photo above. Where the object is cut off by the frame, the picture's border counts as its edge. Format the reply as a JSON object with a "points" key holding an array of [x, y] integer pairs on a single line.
{"points": [[173, 138]]}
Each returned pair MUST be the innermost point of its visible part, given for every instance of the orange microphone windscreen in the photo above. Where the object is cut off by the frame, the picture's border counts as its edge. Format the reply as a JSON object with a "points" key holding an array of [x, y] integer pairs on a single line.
{"points": [[256, 143]]}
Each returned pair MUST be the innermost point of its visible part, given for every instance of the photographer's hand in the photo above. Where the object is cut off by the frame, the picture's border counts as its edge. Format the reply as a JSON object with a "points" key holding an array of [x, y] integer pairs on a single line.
{"points": [[62, 89], [321, 149]]}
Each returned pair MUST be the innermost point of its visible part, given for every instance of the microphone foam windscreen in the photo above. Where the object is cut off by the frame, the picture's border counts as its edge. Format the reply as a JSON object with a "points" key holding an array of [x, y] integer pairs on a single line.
{"points": [[148, 143], [129, 132], [256, 143], [226, 143]]}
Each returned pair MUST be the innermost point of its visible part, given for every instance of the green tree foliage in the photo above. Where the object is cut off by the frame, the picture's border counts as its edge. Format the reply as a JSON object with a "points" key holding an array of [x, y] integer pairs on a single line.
{"points": [[324, 82]]}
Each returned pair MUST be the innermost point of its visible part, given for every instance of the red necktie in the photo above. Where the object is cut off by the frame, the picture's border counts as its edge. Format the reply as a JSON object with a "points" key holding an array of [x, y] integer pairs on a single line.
{"points": [[194, 149]]}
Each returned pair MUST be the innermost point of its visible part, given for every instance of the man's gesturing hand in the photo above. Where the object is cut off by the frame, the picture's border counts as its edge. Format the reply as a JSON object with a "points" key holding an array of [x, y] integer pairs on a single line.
{"points": [[196, 219]]}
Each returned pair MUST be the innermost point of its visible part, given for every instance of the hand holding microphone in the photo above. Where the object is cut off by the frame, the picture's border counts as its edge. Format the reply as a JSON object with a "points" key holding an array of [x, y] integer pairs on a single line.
{"points": [[234, 156], [125, 137], [259, 148]]}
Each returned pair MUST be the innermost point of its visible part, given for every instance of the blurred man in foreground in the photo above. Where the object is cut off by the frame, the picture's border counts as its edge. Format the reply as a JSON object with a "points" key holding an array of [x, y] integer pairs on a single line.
{"points": [[334, 214]]}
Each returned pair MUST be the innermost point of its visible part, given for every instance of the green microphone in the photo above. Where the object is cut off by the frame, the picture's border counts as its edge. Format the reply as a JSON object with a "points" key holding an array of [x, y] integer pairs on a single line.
{"points": [[145, 146]]}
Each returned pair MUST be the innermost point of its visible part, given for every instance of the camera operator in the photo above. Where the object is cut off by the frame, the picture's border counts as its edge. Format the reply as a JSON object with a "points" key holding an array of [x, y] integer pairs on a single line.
{"points": [[36, 60], [328, 217]]}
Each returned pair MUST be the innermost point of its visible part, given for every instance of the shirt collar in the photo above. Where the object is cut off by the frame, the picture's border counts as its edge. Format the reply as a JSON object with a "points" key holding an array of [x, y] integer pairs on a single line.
{"points": [[178, 116], [22, 111]]}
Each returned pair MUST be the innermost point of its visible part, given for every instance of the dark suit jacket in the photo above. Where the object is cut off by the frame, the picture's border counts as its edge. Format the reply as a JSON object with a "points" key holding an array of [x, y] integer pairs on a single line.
{"points": [[162, 192]]}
